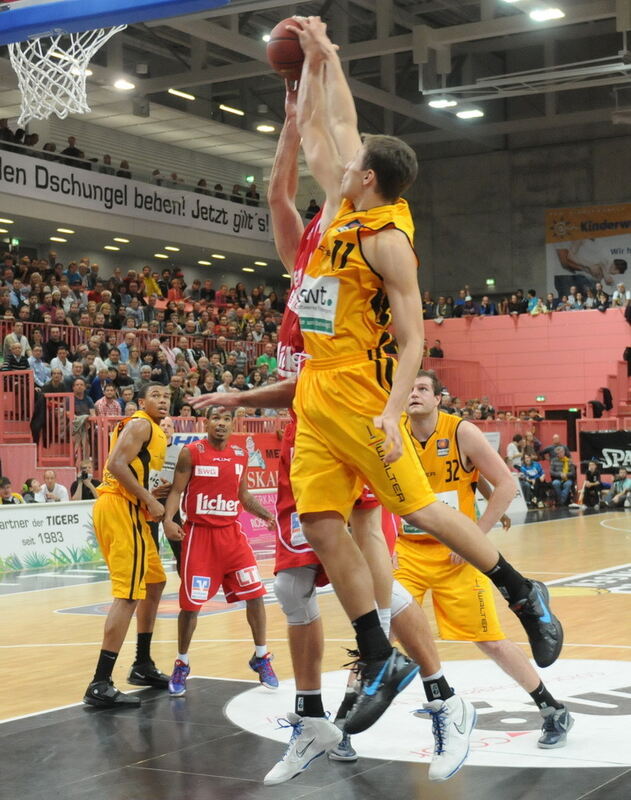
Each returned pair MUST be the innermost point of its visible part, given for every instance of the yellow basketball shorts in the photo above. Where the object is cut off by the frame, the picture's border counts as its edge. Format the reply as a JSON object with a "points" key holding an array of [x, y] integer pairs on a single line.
{"points": [[129, 551], [338, 449], [462, 596]]}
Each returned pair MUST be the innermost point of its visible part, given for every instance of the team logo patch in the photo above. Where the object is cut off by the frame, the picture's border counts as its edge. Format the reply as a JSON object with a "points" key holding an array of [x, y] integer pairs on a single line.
{"points": [[442, 447], [297, 536], [200, 587], [349, 226], [205, 471], [248, 576]]}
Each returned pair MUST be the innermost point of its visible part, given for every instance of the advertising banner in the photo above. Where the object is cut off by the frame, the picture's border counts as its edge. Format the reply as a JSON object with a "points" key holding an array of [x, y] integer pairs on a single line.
{"points": [[72, 186], [610, 449], [37, 535], [588, 245]]}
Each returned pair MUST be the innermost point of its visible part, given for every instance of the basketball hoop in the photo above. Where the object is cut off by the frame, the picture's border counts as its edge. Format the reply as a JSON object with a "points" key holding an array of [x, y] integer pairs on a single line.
{"points": [[52, 71]]}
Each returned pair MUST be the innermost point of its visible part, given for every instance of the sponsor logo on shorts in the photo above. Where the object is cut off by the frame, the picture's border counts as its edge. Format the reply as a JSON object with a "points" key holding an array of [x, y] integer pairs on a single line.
{"points": [[248, 576], [216, 505], [206, 471], [442, 447], [297, 536], [200, 587], [377, 442]]}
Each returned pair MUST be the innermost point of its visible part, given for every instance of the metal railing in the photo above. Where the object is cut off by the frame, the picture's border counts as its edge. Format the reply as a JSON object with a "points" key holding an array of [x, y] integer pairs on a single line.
{"points": [[57, 446], [17, 394]]}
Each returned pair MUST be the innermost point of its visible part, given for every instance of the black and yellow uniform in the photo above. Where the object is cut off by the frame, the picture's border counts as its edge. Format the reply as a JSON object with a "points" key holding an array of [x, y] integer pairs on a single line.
{"points": [[120, 520], [344, 318], [462, 596]]}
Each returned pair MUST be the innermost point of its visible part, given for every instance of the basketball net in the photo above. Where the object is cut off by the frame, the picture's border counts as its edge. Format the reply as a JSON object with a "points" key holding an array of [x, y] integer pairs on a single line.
{"points": [[51, 72]]}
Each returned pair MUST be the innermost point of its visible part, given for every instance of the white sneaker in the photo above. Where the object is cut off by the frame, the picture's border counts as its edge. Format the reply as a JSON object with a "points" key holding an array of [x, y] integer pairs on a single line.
{"points": [[453, 721], [312, 737]]}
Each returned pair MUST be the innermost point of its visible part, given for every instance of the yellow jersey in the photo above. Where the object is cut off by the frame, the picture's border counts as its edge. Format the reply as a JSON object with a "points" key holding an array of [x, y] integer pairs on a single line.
{"points": [[151, 457], [341, 301], [446, 470]]}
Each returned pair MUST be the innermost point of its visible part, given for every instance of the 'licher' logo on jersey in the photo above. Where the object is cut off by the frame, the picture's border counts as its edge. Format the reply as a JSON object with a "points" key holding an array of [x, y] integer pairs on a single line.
{"points": [[218, 506], [442, 447]]}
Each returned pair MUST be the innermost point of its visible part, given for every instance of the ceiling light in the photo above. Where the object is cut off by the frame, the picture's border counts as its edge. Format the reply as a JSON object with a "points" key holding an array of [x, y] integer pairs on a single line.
{"points": [[4, 230], [111, 247], [160, 255], [185, 95], [120, 239], [285, 275], [172, 248], [65, 230], [265, 128], [443, 102], [6, 221], [546, 14], [57, 239], [212, 255], [247, 269], [470, 113], [204, 263], [79, 71], [260, 263], [232, 110], [123, 85], [249, 178], [266, 37]]}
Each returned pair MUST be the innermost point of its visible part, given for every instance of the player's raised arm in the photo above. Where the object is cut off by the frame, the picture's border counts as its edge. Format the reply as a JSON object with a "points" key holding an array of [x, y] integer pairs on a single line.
{"points": [[320, 152], [475, 447], [277, 395], [135, 434], [181, 477], [283, 185], [391, 256]]}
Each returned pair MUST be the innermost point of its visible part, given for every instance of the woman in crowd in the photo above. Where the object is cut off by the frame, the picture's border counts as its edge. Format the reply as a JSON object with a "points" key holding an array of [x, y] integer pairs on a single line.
{"points": [[531, 478], [226, 382], [191, 385], [209, 383], [133, 362]]}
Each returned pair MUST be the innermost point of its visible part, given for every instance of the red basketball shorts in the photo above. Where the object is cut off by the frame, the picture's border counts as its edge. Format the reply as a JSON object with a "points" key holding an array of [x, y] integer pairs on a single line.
{"points": [[214, 557]]}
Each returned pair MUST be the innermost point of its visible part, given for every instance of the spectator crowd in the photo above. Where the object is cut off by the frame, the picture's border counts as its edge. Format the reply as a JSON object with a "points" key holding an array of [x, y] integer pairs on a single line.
{"points": [[516, 304]]}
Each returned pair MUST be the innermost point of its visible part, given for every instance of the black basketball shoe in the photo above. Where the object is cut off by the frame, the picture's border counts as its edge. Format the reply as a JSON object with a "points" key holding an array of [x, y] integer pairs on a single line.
{"points": [[381, 683], [545, 632], [148, 674], [103, 694]]}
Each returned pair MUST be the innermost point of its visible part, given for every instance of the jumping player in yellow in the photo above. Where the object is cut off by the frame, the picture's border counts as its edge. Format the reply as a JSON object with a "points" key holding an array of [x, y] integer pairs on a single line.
{"points": [[456, 456], [360, 282], [121, 514]]}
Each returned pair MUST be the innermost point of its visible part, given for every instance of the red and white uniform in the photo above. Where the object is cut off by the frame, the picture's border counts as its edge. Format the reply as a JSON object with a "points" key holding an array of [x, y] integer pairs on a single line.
{"points": [[215, 551], [292, 549]]}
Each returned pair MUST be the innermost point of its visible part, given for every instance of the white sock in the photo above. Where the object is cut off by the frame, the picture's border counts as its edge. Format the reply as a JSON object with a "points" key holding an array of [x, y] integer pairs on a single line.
{"points": [[385, 615], [183, 657], [433, 677], [260, 650]]}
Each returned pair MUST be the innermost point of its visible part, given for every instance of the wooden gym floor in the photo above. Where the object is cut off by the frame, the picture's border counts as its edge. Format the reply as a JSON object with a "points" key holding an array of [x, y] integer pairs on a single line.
{"points": [[221, 738]]}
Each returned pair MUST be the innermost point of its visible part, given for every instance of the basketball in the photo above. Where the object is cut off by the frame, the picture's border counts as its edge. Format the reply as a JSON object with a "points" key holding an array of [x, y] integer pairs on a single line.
{"points": [[284, 52]]}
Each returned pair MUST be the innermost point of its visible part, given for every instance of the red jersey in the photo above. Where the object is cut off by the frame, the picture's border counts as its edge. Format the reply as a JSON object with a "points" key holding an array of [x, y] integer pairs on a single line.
{"points": [[211, 498], [289, 336]]}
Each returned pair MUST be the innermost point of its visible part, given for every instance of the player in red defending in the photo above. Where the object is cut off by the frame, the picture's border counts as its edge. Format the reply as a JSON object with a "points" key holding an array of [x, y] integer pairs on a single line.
{"points": [[215, 552]]}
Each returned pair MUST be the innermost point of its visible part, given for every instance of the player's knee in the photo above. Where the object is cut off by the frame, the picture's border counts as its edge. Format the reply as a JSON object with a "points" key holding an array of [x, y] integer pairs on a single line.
{"points": [[401, 599], [295, 591], [492, 649]]}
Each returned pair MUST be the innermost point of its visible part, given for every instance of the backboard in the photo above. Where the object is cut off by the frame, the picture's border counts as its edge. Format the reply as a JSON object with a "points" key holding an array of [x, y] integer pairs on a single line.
{"points": [[25, 19]]}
